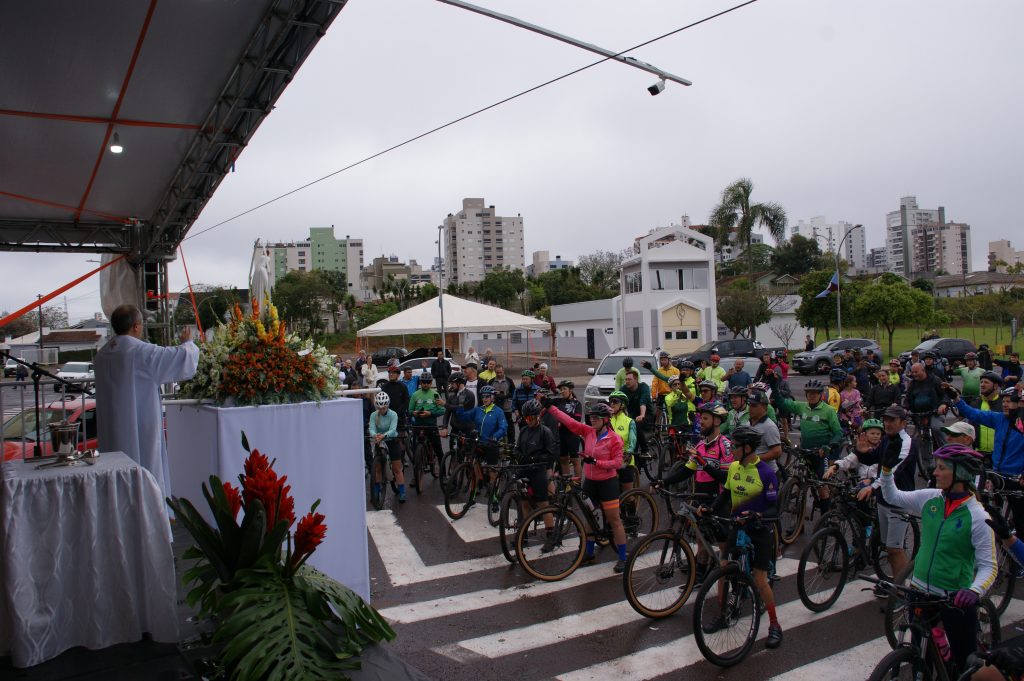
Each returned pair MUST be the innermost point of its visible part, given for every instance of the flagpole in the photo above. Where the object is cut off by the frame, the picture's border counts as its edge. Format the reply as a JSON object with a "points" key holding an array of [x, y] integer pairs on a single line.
{"points": [[839, 288]]}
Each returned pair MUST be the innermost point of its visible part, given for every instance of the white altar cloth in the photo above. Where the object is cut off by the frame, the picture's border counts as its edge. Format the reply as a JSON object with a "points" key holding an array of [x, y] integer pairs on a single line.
{"points": [[85, 558], [318, 446]]}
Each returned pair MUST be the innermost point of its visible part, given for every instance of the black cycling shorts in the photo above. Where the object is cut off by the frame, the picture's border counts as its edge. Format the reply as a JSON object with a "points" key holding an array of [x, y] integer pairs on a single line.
{"points": [[538, 481], [627, 474], [764, 545], [394, 450], [602, 490]]}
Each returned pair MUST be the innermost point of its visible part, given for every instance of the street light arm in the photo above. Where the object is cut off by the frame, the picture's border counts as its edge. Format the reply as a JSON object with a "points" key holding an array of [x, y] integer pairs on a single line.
{"points": [[629, 61]]}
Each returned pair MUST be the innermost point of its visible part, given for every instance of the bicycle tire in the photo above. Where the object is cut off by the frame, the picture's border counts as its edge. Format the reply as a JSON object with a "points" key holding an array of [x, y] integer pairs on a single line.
{"points": [[379, 470], [509, 521], [447, 467], [1005, 583], [558, 564], [991, 632], [460, 493], [740, 604], [419, 460], [656, 580], [823, 570], [495, 490], [901, 663], [880, 557], [792, 508], [639, 513], [434, 462], [895, 609]]}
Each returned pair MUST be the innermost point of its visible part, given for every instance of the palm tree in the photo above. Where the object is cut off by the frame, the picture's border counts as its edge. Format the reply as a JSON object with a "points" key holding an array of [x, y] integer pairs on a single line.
{"points": [[737, 214]]}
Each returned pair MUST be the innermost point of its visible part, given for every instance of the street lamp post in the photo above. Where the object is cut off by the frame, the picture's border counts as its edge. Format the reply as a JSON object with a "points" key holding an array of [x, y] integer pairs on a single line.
{"points": [[440, 287]]}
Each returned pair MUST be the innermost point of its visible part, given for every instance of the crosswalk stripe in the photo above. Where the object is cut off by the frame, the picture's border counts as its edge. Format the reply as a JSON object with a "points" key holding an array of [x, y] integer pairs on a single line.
{"points": [[562, 629], [473, 526], [853, 664], [669, 657]]}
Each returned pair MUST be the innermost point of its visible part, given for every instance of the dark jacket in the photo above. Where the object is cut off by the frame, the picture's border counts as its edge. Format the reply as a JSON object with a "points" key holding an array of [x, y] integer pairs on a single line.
{"points": [[537, 445], [454, 402], [399, 395], [441, 370], [505, 388], [571, 407], [923, 396], [636, 398], [523, 395], [881, 396], [903, 472]]}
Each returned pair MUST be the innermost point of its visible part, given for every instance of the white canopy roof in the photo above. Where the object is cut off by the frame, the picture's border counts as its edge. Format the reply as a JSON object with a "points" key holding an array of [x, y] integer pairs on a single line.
{"points": [[460, 316]]}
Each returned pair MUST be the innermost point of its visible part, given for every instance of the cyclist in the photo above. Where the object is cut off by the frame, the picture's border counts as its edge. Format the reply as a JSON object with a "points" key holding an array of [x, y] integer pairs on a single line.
{"points": [[924, 396], [489, 422], [398, 393], [882, 394], [991, 399], [737, 376], [602, 458], [750, 491], [686, 375], [1011, 368], [819, 423], [837, 379], [424, 407], [956, 556], [863, 460], [620, 375], [549, 420], [708, 391], [713, 373], [971, 373], [457, 398], [739, 415], [525, 391], [490, 371], [770, 447], [623, 426], [851, 410], [411, 383], [384, 427], [767, 390], [537, 446], [660, 385], [933, 365], [504, 388], [639, 408], [677, 404], [568, 443]]}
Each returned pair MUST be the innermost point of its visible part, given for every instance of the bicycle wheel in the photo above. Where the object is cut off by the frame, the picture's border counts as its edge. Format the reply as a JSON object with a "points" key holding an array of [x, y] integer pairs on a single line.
{"points": [[460, 493], [567, 543], [419, 462], [924, 454], [447, 467], [726, 616], [896, 616], [879, 555], [495, 491], [509, 521], [434, 462], [902, 663], [823, 570], [660, 575], [1003, 587], [378, 481], [639, 513], [792, 504], [990, 632], [661, 456]]}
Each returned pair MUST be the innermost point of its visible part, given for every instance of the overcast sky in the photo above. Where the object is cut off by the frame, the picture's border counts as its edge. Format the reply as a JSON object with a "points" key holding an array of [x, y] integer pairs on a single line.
{"points": [[831, 108]]}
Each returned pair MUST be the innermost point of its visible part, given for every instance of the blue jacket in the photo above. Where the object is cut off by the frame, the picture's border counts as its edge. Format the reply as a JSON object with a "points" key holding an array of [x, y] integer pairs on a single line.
{"points": [[523, 395], [1008, 451], [491, 425], [386, 424], [412, 385]]}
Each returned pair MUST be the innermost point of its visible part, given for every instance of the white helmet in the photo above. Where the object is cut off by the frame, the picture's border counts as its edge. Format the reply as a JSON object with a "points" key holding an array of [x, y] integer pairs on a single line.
{"points": [[381, 399]]}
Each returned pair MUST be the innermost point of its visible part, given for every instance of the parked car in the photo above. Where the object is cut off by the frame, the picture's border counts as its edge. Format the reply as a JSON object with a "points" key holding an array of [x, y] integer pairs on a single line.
{"points": [[818, 360], [80, 372], [602, 382], [415, 363], [728, 347], [951, 350], [20, 429], [381, 357], [10, 368]]}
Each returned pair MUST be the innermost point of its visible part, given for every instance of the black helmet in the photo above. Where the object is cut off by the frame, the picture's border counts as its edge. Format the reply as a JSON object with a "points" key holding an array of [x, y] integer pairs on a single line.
{"points": [[531, 408], [468, 400], [567, 384], [929, 354], [745, 436], [837, 375], [627, 362], [970, 355], [687, 364], [713, 408], [814, 386], [1010, 394], [663, 354], [738, 391], [757, 397], [993, 376], [458, 377], [600, 409]]}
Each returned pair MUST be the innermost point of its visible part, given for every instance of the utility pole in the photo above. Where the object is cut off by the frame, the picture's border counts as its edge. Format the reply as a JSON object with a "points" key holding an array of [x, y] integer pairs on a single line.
{"points": [[39, 297]]}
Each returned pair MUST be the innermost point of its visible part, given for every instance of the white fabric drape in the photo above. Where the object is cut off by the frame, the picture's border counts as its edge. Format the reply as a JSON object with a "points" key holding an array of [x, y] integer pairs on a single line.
{"points": [[119, 285], [85, 559]]}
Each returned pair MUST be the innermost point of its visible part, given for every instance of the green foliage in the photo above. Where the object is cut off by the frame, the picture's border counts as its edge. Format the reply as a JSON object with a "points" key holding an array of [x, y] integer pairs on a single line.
{"points": [[302, 298], [600, 269], [891, 304], [759, 257], [371, 313], [921, 284], [213, 302], [820, 313], [502, 287], [735, 214], [20, 326], [798, 256], [742, 308]]}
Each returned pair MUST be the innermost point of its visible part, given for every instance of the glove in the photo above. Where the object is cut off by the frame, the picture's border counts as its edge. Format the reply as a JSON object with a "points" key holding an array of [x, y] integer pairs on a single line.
{"points": [[965, 598], [952, 393], [589, 459], [712, 464], [645, 364], [544, 400], [998, 523], [891, 456], [1008, 659]]}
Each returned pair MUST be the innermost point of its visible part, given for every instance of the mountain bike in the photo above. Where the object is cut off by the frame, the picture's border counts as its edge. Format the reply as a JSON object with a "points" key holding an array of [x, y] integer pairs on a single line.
{"points": [[424, 458], [516, 503], [927, 442], [798, 498], [380, 473], [727, 613]]}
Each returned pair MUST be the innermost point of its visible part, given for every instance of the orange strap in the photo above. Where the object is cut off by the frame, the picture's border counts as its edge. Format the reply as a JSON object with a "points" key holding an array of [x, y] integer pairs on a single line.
{"points": [[195, 309], [50, 296]]}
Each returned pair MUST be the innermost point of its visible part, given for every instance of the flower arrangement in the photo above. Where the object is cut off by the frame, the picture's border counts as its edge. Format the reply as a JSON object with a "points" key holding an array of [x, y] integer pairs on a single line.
{"points": [[277, 618], [254, 360]]}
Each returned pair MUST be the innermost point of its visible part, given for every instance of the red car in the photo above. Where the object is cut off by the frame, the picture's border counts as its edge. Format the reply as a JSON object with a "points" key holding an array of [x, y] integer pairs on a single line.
{"points": [[20, 430]]}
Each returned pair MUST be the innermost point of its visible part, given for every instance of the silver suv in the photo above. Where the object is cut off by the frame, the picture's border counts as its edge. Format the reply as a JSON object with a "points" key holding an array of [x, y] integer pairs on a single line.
{"points": [[603, 382]]}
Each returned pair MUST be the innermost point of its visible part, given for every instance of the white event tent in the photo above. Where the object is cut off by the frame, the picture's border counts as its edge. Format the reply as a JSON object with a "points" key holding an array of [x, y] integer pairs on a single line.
{"points": [[460, 316]]}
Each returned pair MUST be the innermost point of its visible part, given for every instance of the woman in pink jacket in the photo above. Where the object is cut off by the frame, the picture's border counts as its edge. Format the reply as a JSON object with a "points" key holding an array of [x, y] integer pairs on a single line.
{"points": [[602, 459]]}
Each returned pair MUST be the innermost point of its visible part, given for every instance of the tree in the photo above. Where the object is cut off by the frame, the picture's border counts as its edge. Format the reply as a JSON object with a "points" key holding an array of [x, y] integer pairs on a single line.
{"points": [[820, 313], [213, 303], [743, 308], [784, 331], [922, 284], [502, 287], [760, 254], [798, 256], [371, 313], [24, 324], [735, 214], [601, 268], [303, 297], [54, 317], [893, 303]]}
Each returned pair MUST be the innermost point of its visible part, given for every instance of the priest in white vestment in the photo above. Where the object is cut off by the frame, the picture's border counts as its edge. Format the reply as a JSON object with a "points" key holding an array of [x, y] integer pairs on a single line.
{"points": [[129, 372]]}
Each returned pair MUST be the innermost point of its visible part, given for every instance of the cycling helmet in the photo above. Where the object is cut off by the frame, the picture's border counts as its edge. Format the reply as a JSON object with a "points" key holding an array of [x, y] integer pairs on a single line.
{"points": [[393, 369], [618, 395], [1010, 394], [687, 364], [531, 408], [599, 409], [426, 377], [737, 391], [760, 385], [967, 463], [713, 408], [928, 354], [487, 391], [814, 386], [663, 354], [528, 372], [543, 392], [672, 381], [381, 400], [716, 358], [745, 436], [710, 385], [567, 384], [993, 376], [970, 356], [468, 400], [627, 362], [837, 375], [872, 423], [757, 397], [458, 377]]}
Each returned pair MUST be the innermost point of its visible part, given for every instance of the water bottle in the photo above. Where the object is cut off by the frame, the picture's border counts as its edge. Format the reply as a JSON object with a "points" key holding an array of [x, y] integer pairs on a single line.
{"points": [[942, 643], [867, 532]]}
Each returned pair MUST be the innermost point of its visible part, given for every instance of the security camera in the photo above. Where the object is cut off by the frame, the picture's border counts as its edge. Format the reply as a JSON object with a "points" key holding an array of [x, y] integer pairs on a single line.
{"points": [[657, 88]]}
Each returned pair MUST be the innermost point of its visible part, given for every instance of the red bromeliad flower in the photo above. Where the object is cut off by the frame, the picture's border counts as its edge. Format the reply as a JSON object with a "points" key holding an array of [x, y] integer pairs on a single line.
{"points": [[308, 535], [265, 486], [234, 499], [256, 462]]}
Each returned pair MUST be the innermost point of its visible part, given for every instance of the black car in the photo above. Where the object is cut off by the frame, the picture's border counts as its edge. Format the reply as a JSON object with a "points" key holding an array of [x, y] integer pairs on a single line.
{"points": [[729, 347], [381, 357], [818, 360], [951, 350]]}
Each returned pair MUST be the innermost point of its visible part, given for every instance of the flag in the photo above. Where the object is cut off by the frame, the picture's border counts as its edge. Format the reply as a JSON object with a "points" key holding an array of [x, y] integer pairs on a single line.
{"points": [[833, 285]]}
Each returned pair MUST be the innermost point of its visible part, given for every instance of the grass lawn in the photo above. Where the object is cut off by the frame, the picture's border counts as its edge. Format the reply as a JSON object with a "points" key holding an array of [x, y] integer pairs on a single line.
{"points": [[906, 338]]}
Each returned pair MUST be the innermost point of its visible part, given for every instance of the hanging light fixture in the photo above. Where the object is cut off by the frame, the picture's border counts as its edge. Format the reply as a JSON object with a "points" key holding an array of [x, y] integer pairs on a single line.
{"points": [[115, 145]]}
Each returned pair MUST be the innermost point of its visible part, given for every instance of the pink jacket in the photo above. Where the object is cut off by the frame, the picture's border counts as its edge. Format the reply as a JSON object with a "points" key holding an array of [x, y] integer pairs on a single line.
{"points": [[607, 450]]}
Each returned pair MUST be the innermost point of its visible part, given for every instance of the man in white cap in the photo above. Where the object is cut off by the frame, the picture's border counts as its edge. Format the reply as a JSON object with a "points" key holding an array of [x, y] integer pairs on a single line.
{"points": [[961, 432]]}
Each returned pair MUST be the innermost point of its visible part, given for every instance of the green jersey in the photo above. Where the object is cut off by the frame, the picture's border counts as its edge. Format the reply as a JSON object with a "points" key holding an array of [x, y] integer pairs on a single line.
{"points": [[423, 400], [819, 425], [972, 380]]}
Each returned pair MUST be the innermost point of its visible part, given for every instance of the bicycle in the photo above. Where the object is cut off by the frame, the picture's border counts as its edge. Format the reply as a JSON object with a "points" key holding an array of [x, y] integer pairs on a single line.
{"points": [[797, 491], [727, 612], [920, 656], [459, 444], [672, 450], [927, 442], [662, 570], [569, 533], [514, 505], [380, 473], [424, 459]]}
